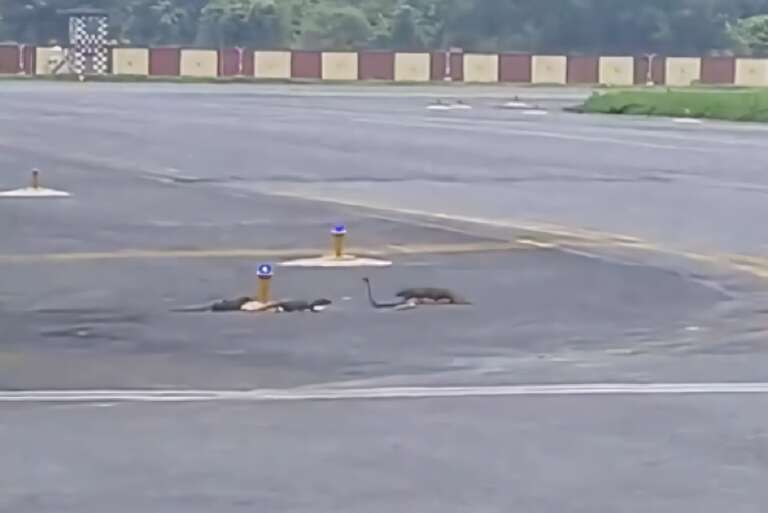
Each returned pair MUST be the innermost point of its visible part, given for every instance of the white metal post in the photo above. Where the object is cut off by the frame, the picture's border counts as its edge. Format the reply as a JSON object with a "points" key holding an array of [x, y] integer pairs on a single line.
{"points": [[649, 73]]}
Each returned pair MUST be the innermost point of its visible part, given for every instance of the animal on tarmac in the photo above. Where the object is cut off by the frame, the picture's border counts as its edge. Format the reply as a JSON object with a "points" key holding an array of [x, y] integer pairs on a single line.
{"points": [[400, 305], [295, 305], [411, 297], [430, 295], [222, 305], [239, 304]]}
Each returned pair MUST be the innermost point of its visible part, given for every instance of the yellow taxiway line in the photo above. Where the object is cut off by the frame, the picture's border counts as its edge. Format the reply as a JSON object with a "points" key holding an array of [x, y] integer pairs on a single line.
{"points": [[235, 253]]}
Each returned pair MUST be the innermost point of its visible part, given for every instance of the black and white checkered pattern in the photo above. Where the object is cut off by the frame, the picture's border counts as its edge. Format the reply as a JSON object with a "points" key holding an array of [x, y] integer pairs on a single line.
{"points": [[88, 37]]}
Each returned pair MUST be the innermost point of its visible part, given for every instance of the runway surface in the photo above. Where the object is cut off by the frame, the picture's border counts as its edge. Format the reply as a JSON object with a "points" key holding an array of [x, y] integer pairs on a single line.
{"points": [[613, 358]]}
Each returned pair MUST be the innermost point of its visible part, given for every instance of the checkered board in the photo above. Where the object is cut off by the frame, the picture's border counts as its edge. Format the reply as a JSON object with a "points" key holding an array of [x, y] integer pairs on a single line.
{"points": [[88, 37]]}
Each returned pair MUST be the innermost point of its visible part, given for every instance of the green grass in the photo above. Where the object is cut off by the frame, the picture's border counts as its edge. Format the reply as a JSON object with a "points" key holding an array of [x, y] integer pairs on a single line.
{"points": [[733, 104]]}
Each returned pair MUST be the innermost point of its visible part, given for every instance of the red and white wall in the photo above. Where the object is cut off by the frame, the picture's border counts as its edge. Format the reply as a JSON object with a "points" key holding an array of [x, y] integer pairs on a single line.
{"points": [[410, 66]]}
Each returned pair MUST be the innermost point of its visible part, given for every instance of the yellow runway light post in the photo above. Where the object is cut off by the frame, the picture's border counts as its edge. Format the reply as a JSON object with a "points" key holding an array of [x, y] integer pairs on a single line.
{"points": [[338, 258], [339, 234], [265, 273]]}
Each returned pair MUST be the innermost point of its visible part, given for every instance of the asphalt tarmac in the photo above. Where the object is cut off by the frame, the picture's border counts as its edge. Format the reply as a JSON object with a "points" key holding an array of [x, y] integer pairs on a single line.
{"points": [[180, 191], [533, 455]]}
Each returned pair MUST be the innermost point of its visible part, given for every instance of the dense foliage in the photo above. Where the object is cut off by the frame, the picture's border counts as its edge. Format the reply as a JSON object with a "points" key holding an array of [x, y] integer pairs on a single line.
{"points": [[588, 26]]}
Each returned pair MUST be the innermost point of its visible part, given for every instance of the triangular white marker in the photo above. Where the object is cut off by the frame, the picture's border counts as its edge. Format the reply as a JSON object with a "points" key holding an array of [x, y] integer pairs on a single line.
{"points": [[331, 262], [517, 105], [34, 192]]}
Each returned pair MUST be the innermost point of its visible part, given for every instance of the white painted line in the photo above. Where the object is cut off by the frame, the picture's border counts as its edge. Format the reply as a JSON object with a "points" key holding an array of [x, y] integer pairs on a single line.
{"points": [[536, 243], [651, 132], [517, 105], [535, 112], [423, 392], [452, 106], [465, 126], [688, 121]]}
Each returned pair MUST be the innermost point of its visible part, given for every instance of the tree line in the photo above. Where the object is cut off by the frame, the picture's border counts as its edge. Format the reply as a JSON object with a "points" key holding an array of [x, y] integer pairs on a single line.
{"points": [[556, 26]]}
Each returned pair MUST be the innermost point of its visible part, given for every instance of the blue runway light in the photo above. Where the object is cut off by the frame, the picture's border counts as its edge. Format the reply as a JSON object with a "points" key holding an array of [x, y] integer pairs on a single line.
{"points": [[264, 271], [339, 229]]}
